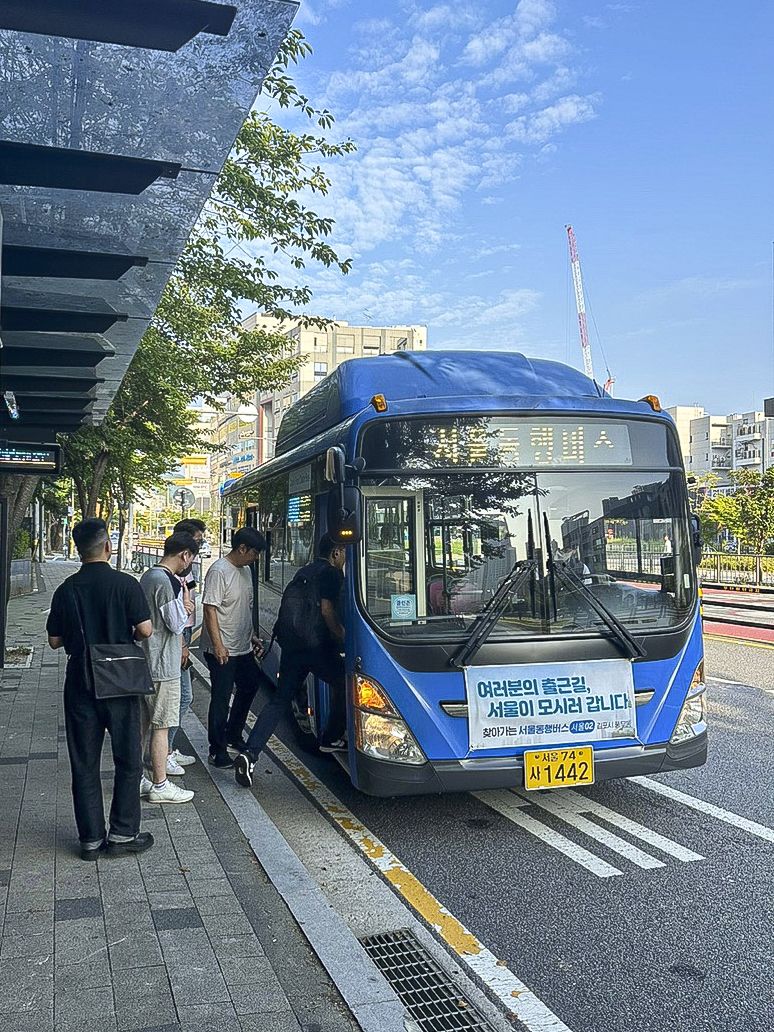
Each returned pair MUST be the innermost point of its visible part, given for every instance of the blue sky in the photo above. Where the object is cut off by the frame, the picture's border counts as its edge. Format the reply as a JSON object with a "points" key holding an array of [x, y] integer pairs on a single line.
{"points": [[482, 129]]}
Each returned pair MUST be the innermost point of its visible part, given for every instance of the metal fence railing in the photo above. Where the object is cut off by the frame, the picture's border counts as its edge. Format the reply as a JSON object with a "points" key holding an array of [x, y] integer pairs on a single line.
{"points": [[145, 557], [725, 568]]}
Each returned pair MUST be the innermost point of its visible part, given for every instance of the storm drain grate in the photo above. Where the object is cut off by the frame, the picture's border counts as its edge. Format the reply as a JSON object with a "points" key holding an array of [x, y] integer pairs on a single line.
{"points": [[434, 1002]]}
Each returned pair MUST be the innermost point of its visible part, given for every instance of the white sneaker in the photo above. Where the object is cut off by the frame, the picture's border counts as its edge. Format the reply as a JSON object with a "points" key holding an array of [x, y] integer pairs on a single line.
{"points": [[181, 758], [170, 793], [145, 786], [173, 767]]}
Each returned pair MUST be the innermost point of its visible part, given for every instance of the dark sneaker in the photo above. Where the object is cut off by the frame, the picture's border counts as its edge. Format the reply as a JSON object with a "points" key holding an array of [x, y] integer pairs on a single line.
{"points": [[243, 770], [93, 854], [240, 744], [338, 746], [138, 844], [222, 760]]}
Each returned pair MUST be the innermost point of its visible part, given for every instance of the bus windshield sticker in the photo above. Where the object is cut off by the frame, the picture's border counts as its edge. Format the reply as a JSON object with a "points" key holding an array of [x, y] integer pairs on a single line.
{"points": [[300, 480], [550, 704], [403, 607]]}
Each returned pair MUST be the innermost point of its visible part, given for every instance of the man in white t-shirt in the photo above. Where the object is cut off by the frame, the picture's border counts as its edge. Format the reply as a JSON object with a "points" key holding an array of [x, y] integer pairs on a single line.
{"points": [[228, 640]]}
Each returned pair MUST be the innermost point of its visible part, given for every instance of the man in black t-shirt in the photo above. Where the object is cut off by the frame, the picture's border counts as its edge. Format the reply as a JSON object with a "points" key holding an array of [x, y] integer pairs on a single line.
{"points": [[111, 610], [295, 664]]}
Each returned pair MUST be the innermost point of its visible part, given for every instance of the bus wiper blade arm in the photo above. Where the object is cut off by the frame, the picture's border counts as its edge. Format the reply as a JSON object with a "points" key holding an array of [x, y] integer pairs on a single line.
{"points": [[634, 649], [490, 614]]}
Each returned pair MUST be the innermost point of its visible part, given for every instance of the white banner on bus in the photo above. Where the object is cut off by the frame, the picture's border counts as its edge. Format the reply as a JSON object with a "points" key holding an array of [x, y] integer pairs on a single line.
{"points": [[548, 704]]}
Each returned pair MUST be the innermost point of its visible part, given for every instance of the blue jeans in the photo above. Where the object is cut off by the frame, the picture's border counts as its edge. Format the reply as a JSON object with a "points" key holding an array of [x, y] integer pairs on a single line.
{"points": [[186, 691]]}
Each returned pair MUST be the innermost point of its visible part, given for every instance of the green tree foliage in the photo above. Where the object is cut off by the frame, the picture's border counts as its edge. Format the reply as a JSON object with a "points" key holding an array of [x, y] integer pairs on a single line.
{"points": [[195, 345], [748, 513]]}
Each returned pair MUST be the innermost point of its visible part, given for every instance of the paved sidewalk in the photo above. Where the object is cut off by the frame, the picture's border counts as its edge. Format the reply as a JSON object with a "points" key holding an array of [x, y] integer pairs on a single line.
{"points": [[190, 937]]}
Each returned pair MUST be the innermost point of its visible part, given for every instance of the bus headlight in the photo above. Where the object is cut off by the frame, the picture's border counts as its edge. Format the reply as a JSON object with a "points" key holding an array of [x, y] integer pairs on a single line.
{"points": [[379, 730], [693, 716]]}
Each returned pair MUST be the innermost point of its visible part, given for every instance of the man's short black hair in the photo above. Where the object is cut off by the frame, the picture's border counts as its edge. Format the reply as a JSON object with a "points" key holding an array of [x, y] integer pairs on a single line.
{"points": [[190, 526], [90, 536], [249, 537], [181, 542], [327, 546]]}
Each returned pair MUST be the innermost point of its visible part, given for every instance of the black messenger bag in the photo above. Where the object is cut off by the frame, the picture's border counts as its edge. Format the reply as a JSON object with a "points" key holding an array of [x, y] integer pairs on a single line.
{"points": [[114, 671]]}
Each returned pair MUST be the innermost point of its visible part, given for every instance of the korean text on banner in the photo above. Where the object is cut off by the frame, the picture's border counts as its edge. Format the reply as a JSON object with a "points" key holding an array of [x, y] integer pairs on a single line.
{"points": [[550, 704]]}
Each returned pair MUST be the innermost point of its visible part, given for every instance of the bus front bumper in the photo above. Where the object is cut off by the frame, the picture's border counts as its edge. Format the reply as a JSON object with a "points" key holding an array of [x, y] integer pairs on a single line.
{"points": [[380, 778]]}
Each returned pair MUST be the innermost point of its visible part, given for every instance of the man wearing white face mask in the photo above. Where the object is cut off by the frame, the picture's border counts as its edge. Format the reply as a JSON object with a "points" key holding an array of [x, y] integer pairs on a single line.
{"points": [[170, 608]]}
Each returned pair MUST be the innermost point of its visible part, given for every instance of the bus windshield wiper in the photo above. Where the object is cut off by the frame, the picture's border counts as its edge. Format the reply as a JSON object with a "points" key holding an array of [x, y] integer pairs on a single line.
{"points": [[609, 618], [485, 621]]}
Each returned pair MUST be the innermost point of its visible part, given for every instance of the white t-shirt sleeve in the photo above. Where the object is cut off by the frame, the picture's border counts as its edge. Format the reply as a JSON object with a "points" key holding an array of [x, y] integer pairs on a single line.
{"points": [[174, 615], [214, 587]]}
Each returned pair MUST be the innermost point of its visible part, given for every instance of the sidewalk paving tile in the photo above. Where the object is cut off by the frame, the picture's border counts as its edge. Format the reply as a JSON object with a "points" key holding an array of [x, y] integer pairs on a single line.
{"points": [[165, 942]]}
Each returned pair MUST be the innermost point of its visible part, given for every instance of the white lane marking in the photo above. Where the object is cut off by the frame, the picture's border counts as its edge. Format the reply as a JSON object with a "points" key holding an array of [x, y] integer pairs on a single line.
{"points": [[512, 993], [507, 804], [759, 830], [581, 804], [565, 811]]}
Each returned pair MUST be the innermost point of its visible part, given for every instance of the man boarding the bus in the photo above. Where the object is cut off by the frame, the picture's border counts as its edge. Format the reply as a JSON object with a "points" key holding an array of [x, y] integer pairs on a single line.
{"points": [[311, 636]]}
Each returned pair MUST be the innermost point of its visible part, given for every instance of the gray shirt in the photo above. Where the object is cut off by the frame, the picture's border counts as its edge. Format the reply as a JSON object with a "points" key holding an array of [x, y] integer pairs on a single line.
{"points": [[230, 590], [164, 648]]}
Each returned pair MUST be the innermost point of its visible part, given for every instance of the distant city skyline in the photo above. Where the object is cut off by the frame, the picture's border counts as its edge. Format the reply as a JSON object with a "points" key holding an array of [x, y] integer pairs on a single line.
{"points": [[482, 132]]}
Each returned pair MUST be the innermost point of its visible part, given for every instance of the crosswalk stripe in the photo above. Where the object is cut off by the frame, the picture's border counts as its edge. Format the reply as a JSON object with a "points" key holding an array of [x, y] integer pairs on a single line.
{"points": [[564, 811], [581, 804], [760, 830], [510, 806]]}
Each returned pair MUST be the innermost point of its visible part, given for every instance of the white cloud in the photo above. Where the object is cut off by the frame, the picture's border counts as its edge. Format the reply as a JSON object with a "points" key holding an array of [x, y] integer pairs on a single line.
{"points": [[427, 92], [540, 126]]}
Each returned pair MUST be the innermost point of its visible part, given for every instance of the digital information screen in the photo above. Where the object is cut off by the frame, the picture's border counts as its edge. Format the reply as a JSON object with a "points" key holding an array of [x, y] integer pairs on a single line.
{"points": [[533, 443], [30, 458], [501, 442]]}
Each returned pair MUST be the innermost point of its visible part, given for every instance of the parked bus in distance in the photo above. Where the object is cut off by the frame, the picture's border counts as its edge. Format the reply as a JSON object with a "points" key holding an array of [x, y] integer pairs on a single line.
{"points": [[520, 595]]}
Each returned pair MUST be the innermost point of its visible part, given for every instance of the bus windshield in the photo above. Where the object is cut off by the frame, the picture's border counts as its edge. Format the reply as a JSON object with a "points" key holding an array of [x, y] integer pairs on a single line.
{"points": [[439, 544]]}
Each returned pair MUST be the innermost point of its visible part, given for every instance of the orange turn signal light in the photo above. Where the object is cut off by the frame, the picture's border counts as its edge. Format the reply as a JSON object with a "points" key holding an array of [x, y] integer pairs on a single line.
{"points": [[379, 402], [652, 400], [370, 695]]}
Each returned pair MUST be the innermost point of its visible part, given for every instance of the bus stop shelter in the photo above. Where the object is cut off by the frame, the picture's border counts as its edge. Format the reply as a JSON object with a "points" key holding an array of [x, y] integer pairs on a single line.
{"points": [[115, 120]]}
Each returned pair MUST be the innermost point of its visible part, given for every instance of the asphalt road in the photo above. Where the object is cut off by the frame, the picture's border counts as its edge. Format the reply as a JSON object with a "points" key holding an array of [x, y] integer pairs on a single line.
{"points": [[678, 936]]}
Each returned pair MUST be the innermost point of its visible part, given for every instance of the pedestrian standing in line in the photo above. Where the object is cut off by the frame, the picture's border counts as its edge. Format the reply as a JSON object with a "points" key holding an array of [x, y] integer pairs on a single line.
{"points": [[176, 760], [228, 640], [311, 635], [170, 607], [98, 605]]}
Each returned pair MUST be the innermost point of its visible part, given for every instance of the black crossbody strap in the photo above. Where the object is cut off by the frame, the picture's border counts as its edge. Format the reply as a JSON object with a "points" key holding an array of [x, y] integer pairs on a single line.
{"points": [[87, 671]]}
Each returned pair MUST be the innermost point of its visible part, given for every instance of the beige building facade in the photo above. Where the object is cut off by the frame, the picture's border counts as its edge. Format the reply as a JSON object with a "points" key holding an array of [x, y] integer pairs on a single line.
{"points": [[321, 351]]}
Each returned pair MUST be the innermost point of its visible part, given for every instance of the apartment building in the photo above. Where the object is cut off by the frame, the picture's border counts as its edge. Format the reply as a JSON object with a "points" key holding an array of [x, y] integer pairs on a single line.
{"points": [[719, 444], [321, 351], [710, 447], [753, 439], [683, 416]]}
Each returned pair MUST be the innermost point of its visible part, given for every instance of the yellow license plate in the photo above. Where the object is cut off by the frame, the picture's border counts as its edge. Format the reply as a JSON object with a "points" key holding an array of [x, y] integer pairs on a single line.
{"points": [[559, 768]]}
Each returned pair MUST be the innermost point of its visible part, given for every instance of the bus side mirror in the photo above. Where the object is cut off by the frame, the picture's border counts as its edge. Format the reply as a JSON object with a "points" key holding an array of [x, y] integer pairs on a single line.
{"points": [[335, 463], [696, 542], [343, 510]]}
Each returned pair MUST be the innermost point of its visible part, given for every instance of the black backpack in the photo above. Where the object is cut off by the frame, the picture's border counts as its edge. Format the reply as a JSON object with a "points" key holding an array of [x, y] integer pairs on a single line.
{"points": [[300, 623]]}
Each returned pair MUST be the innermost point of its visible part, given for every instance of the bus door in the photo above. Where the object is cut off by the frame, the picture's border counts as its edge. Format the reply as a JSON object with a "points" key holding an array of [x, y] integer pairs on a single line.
{"points": [[313, 724], [391, 565]]}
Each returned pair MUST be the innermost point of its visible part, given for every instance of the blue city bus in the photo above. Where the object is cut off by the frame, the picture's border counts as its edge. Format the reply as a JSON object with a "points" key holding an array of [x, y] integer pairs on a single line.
{"points": [[520, 599]]}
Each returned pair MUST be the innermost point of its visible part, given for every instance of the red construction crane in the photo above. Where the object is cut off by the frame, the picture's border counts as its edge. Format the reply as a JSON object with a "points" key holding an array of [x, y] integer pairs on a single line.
{"points": [[580, 304]]}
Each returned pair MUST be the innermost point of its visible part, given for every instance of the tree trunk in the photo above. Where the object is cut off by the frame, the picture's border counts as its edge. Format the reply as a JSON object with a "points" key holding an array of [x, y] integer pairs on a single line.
{"points": [[121, 532], [95, 488]]}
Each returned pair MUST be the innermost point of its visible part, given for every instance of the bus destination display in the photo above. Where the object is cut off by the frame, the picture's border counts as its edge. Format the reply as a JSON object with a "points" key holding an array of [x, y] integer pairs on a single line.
{"points": [[502, 443]]}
